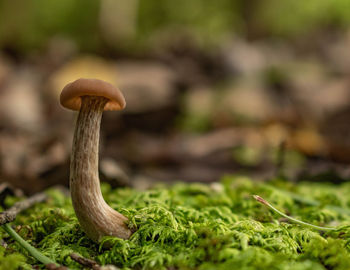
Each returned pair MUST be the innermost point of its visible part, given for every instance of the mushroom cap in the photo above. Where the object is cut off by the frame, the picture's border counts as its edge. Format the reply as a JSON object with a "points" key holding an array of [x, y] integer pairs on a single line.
{"points": [[71, 94]]}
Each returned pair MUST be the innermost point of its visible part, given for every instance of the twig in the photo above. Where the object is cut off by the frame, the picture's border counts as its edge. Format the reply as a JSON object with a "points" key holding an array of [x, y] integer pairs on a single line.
{"points": [[91, 263], [261, 200], [85, 262], [52, 266], [10, 214]]}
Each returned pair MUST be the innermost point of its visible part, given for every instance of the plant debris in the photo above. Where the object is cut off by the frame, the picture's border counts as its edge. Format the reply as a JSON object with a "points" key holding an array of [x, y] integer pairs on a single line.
{"points": [[85, 262], [10, 214]]}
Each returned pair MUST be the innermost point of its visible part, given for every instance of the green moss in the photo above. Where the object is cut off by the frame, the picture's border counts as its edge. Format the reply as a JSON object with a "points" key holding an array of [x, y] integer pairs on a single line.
{"points": [[10, 261], [196, 226]]}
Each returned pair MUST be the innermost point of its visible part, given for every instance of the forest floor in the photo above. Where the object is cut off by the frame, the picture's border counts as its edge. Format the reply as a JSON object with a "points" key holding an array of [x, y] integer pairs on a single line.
{"points": [[195, 226]]}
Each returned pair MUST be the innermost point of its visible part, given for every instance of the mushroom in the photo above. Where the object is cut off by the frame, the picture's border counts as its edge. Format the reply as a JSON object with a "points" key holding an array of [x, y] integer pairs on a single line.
{"points": [[91, 97]]}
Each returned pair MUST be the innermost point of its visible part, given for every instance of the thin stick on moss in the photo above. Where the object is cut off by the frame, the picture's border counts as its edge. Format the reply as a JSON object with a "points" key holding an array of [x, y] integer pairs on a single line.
{"points": [[10, 214], [31, 250], [85, 262], [52, 266], [263, 201]]}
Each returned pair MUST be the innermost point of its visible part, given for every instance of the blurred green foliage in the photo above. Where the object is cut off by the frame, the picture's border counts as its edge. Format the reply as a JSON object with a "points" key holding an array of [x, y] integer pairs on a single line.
{"points": [[290, 18], [27, 25], [204, 20]]}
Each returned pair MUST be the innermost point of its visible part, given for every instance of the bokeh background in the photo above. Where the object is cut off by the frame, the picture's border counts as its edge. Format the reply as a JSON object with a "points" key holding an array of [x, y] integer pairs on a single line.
{"points": [[251, 87]]}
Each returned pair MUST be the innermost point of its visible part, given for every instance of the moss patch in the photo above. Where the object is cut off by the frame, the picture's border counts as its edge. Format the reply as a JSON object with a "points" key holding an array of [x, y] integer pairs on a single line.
{"points": [[196, 226]]}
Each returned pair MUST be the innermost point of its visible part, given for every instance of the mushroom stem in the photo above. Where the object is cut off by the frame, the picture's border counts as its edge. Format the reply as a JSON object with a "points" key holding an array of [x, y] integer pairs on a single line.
{"points": [[95, 216]]}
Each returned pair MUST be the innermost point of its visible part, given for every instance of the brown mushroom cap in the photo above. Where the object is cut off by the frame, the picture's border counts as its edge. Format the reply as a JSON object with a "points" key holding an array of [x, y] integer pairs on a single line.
{"points": [[71, 94]]}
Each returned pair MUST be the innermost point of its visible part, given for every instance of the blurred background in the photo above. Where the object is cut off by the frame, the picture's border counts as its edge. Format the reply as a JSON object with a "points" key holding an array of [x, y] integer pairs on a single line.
{"points": [[251, 87]]}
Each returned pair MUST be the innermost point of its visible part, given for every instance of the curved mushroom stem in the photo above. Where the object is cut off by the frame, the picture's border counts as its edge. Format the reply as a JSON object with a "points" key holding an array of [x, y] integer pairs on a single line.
{"points": [[95, 216]]}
